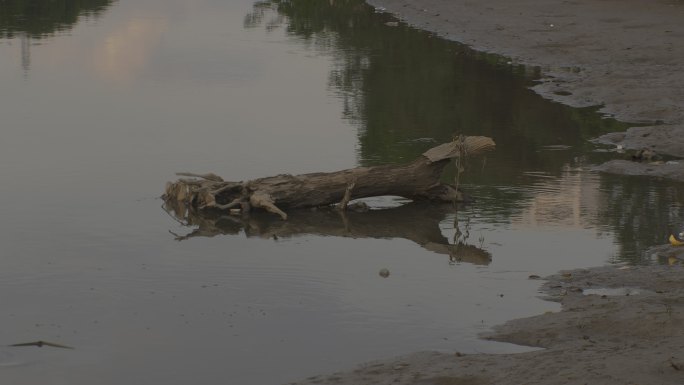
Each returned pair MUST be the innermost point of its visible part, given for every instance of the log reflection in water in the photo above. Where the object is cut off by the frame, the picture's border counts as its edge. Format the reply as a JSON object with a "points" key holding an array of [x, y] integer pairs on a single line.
{"points": [[417, 222]]}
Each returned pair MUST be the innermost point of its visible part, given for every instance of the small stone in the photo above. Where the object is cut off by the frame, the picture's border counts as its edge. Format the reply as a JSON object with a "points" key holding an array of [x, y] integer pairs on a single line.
{"points": [[384, 273]]}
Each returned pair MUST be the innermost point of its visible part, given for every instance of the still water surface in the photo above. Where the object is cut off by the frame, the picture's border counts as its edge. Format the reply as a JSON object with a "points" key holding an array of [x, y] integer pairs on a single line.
{"points": [[103, 101]]}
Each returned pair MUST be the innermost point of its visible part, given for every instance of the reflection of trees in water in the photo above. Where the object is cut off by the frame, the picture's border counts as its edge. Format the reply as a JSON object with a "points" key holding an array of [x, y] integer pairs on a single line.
{"points": [[641, 211], [261, 11], [38, 18], [404, 87]]}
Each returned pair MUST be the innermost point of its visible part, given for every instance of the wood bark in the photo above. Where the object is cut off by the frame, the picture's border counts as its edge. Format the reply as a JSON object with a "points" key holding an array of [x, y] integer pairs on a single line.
{"points": [[418, 180]]}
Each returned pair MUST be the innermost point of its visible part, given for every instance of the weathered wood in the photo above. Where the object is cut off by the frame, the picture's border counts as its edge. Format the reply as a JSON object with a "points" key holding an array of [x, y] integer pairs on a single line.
{"points": [[418, 180], [456, 148]]}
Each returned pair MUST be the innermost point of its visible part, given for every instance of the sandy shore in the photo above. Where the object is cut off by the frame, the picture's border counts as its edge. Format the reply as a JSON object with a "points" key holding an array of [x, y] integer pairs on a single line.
{"points": [[617, 325], [627, 56]]}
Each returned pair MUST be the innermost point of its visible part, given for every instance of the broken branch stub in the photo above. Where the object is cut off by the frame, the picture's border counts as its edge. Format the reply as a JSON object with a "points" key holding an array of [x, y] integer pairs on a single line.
{"points": [[418, 180]]}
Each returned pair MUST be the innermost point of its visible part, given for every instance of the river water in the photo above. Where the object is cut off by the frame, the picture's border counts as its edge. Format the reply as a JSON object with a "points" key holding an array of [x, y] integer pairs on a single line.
{"points": [[103, 101]]}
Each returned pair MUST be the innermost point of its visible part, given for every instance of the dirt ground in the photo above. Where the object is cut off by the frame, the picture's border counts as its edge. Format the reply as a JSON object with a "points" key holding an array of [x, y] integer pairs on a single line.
{"points": [[624, 55], [618, 325]]}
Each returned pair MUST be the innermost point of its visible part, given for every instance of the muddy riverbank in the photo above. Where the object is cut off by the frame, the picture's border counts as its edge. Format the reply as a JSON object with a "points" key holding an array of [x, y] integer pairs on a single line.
{"points": [[625, 56], [618, 325]]}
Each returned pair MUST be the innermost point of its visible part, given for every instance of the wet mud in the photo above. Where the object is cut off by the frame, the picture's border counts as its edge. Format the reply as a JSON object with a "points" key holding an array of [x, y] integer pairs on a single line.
{"points": [[618, 325]]}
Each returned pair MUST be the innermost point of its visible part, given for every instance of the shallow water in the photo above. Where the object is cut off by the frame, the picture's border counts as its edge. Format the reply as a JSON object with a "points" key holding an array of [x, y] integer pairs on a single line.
{"points": [[103, 102]]}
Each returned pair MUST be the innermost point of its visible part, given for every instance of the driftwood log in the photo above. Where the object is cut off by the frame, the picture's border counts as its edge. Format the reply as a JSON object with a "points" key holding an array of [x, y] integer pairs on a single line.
{"points": [[418, 180]]}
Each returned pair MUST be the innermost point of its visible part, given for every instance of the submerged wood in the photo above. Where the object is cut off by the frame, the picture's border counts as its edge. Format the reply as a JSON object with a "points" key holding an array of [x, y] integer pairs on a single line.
{"points": [[418, 180], [40, 344]]}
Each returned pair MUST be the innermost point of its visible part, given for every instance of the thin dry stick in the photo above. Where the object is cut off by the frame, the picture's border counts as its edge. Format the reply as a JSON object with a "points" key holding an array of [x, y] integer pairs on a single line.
{"points": [[347, 196], [459, 161]]}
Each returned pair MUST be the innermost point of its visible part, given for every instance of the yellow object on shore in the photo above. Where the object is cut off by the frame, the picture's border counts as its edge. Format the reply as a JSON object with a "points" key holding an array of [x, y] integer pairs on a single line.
{"points": [[674, 241]]}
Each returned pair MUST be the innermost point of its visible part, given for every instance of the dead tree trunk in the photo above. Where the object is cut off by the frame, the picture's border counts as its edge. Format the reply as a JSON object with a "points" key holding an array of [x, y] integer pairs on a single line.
{"points": [[418, 180]]}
